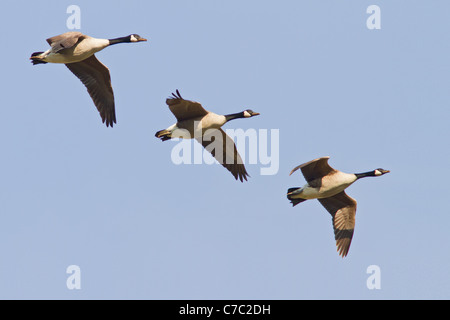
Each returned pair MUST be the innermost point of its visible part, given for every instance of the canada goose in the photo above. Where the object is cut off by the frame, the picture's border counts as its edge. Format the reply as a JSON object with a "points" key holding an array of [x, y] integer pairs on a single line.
{"points": [[76, 51], [205, 126], [327, 185]]}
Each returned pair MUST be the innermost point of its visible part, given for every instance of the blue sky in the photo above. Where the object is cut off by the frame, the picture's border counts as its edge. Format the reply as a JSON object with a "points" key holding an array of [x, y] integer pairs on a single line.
{"points": [[73, 192]]}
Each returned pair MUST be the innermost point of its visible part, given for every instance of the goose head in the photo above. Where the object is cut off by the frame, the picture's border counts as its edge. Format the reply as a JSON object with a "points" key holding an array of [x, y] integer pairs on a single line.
{"points": [[250, 113], [136, 38], [380, 172]]}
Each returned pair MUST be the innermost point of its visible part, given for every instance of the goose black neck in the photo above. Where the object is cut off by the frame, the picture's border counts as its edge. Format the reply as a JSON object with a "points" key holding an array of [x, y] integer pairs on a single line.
{"points": [[233, 116], [365, 174], [119, 40]]}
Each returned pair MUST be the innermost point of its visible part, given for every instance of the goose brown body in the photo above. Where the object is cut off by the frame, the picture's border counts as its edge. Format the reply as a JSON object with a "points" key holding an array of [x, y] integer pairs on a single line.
{"points": [[77, 52], [328, 186], [194, 122]]}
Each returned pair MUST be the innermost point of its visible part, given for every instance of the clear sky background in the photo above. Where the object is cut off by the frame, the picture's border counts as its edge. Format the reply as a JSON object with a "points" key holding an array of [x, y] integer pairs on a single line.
{"points": [[73, 192]]}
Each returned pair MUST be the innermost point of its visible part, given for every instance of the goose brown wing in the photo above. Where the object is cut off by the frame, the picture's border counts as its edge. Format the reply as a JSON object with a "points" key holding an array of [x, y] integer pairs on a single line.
{"points": [[223, 149], [315, 169], [184, 109], [95, 76], [65, 40], [343, 210]]}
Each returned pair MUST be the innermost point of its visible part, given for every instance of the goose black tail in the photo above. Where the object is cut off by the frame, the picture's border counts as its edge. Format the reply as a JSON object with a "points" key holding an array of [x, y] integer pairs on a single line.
{"points": [[163, 135], [295, 201], [35, 58]]}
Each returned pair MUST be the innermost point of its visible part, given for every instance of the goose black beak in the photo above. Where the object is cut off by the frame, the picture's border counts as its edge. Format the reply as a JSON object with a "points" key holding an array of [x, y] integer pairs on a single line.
{"points": [[142, 39], [255, 114]]}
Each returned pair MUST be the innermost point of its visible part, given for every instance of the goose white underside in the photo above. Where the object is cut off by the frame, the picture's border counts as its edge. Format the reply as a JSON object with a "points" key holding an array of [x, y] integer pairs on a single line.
{"points": [[330, 186], [307, 192], [210, 121], [176, 132], [83, 50], [51, 57]]}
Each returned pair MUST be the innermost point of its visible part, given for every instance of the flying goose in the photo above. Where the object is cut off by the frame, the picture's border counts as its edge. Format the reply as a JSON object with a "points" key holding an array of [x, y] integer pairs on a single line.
{"points": [[328, 186], [193, 121], [76, 51]]}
